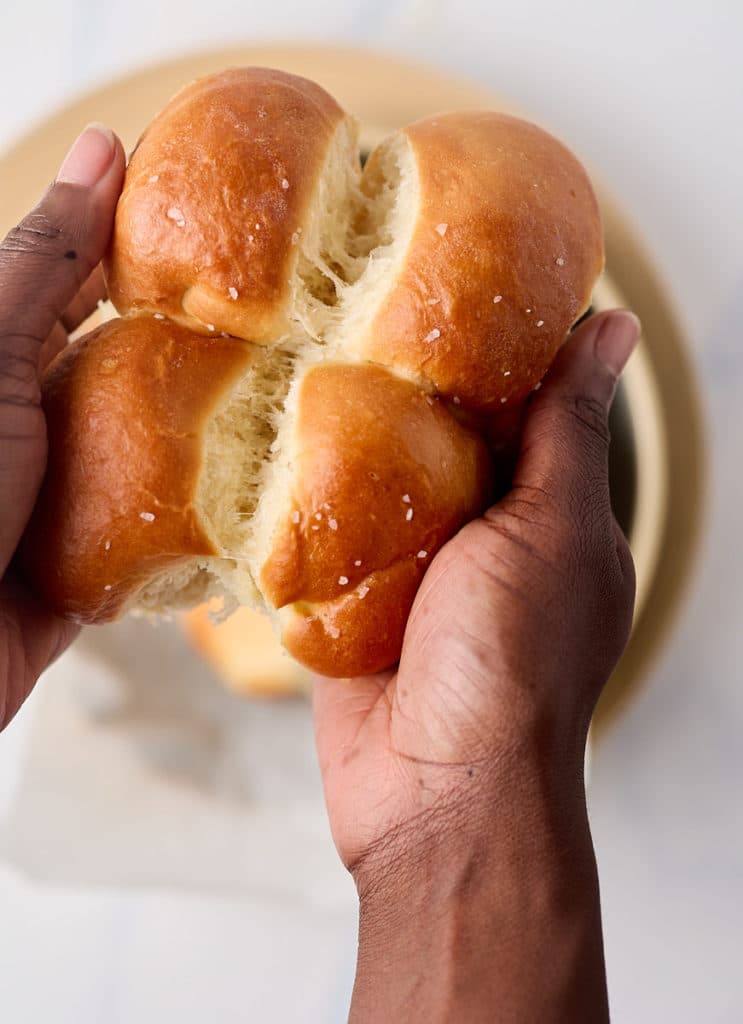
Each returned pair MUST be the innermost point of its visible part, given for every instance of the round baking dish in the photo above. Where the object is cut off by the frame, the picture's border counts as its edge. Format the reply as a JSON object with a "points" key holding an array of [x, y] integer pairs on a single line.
{"points": [[657, 447]]}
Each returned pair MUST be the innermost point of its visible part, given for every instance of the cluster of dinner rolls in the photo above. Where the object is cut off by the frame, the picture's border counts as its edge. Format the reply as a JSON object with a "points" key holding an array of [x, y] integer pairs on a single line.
{"points": [[284, 413]]}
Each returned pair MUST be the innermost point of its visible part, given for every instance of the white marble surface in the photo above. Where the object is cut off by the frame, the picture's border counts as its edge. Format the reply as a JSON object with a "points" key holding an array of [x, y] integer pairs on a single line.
{"points": [[651, 95]]}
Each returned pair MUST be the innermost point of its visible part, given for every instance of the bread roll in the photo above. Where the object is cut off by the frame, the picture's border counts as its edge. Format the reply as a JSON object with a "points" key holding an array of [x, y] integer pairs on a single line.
{"points": [[244, 651], [282, 415]]}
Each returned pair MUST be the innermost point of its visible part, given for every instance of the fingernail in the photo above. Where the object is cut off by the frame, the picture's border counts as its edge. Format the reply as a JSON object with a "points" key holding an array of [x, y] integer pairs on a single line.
{"points": [[90, 156], [617, 338]]}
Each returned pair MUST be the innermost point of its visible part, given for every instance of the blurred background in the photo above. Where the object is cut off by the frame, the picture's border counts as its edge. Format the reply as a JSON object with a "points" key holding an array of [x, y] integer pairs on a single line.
{"points": [[163, 848]]}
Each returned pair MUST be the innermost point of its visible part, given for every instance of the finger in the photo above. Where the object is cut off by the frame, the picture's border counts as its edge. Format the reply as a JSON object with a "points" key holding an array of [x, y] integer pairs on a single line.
{"points": [[86, 301], [43, 263], [53, 345], [82, 306], [565, 444], [47, 257], [36, 638]]}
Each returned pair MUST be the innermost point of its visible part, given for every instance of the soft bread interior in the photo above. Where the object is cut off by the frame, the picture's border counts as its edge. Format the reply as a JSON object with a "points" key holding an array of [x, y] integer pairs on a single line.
{"points": [[354, 244], [349, 253]]}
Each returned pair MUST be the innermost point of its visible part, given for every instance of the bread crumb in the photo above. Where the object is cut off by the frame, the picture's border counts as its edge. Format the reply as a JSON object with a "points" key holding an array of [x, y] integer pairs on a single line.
{"points": [[333, 524], [503, 401], [497, 299], [295, 238], [357, 563], [432, 335], [333, 631], [456, 399], [232, 292], [538, 386], [326, 506], [257, 227], [560, 261], [528, 311], [251, 238], [175, 214], [422, 554], [430, 400], [295, 515], [284, 184], [159, 316], [540, 323], [441, 228], [315, 526], [149, 517], [363, 591], [107, 587], [318, 516], [210, 327], [107, 546], [506, 373], [153, 178], [343, 580], [432, 302], [409, 514], [406, 498]]}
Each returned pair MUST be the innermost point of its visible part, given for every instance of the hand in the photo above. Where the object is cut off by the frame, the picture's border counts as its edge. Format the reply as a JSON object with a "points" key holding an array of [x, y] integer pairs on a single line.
{"points": [[50, 282], [454, 784]]}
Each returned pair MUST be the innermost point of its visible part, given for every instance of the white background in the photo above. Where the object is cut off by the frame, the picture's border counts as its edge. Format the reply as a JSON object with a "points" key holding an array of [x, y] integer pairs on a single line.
{"points": [[652, 95]]}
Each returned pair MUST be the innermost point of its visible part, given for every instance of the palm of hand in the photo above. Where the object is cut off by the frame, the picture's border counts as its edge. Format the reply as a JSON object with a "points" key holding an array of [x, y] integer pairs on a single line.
{"points": [[396, 745], [515, 629]]}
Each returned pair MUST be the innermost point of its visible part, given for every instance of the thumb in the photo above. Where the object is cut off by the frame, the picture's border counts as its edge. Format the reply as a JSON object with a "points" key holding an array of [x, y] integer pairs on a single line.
{"points": [[565, 443], [43, 263], [48, 256]]}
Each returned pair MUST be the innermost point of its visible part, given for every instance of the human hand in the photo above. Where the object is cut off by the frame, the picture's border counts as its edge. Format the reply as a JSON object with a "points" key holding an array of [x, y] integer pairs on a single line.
{"points": [[50, 281], [454, 784]]}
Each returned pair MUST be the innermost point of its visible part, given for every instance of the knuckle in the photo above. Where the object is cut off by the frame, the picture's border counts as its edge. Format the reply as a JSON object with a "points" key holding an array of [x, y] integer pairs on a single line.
{"points": [[39, 234], [590, 415], [19, 379]]}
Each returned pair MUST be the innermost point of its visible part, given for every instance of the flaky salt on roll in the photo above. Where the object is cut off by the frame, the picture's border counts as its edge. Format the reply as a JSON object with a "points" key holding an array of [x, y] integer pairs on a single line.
{"points": [[280, 415]]}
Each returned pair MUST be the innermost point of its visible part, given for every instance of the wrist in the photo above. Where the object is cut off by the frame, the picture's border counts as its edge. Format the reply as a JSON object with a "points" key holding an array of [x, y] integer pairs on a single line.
{"points": [[482, 904]]}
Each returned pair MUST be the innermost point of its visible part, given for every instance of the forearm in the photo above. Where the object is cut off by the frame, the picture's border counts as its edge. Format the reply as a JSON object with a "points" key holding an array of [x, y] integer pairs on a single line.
{"points": [[495, 918]]}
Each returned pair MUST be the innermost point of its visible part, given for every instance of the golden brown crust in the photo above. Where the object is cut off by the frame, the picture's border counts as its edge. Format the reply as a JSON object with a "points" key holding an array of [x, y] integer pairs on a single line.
{"points": [[506, 245], [353, 636], [216, 188], [505, 252], [125, 408], [383, 476]]}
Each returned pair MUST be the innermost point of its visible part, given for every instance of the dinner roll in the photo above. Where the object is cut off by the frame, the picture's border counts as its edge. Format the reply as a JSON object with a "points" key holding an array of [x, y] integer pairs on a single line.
{"points": [[244, 652], [285, 414]]}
